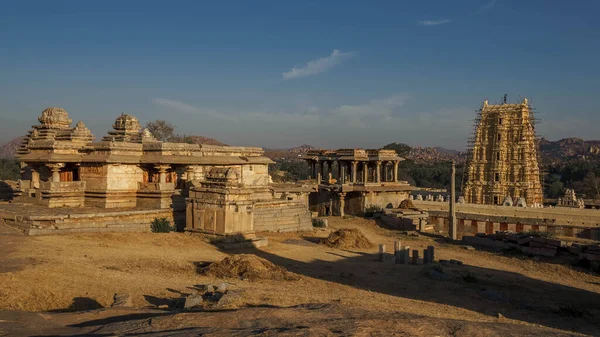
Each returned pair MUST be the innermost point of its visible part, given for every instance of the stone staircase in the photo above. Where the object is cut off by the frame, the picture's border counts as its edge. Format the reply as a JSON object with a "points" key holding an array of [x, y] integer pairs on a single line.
{"points": [[281, 216]]}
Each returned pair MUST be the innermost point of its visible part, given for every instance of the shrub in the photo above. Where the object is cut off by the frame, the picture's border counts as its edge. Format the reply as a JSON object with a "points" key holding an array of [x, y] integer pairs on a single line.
{"points": [[369, 210], [320, 223], [161, 225]]}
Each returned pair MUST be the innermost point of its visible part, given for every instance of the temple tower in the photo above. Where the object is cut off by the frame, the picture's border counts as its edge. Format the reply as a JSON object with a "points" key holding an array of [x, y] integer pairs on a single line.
{"points": [[503, 156]]}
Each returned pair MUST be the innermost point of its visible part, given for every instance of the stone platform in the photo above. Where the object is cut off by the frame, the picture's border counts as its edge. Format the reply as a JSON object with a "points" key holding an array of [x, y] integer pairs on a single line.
{"points": [[40, 220]]}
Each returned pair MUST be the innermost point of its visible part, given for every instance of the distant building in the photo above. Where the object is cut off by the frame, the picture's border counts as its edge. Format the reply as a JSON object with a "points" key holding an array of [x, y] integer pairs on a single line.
{"points": [[503, 158]]}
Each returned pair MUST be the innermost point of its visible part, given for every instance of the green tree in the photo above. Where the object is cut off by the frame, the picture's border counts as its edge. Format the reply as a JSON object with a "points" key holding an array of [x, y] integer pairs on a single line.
{"points": [[401, 149], [9, 169], [556, 190], [162, 130]]}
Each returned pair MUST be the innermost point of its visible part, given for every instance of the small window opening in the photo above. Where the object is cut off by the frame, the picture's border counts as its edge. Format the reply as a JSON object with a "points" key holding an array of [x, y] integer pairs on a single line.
{"points": [[496, 199], [497, 177], [497, 155], [499, 137], [499, 121]]}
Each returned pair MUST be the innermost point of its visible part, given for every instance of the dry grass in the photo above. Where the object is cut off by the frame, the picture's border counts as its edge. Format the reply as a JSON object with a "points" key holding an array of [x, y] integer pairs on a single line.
{"points": [[148, 265]]}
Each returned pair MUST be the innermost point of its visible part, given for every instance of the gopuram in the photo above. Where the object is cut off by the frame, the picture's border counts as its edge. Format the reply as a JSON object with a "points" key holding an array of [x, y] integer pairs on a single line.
{"points": [[217, 189], [503, 159], [352, 180]]}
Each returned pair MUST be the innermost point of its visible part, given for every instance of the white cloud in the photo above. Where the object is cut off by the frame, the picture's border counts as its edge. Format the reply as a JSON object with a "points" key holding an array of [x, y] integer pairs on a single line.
{"points": [[318, 66], [486, 7], [434, 22], [368, 124], [178, 106]]}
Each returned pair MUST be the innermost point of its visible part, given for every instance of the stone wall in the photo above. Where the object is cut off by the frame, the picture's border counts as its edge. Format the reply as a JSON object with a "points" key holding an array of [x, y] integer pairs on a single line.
{"points": [[385, 199], [281, 216], [255, 175], [473, 219], [93, 221]]}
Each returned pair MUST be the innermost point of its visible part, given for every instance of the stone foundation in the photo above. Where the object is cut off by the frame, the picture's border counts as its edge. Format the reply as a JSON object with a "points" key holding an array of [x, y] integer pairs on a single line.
{"points": [[36, 221], [281, 216]]}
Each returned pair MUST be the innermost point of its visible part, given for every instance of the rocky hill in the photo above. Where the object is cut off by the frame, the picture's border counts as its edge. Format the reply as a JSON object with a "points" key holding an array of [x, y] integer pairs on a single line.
{"points": [[291, 153], [8, 150], [435, 154], [566, 149]]}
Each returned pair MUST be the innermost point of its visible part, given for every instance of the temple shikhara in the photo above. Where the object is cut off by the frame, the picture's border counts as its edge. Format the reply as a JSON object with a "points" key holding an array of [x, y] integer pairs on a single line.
{"points": [[503, 165]]}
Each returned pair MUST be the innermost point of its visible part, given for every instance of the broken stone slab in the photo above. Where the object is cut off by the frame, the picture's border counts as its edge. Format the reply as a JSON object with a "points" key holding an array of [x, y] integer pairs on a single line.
{"points": [[589, 256], [193, 300], [525, 240], [222, 288], [556, 243], [467, 247], [229, 300], [456, 262], [122, 300], [574, 249], [530, 250], [550, 252]]}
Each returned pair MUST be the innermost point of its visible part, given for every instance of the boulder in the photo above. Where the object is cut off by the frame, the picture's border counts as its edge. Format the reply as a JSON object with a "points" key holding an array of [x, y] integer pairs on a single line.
{"points": [[222, 288], [193, 300], [122, 300]]}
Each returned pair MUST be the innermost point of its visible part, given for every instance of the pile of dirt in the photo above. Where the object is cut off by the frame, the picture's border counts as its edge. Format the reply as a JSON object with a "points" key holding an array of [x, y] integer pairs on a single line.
{"points": [[407, 204], [347, 238], [249, 267]]}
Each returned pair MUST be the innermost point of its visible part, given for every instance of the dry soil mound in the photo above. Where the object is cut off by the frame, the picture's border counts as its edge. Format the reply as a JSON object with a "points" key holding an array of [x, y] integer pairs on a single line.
{"points": [[247, 266], [407, 204], [347, 238]]}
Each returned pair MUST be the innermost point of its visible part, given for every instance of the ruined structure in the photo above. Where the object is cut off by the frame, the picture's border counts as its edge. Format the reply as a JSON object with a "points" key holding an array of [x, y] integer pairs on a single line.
{"points": [[224, 188], [503, 156], [570, 200], [351, 180]]}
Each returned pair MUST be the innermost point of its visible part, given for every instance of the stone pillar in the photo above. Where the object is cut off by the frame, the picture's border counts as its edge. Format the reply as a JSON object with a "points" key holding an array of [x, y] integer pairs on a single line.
{"points": [[189, 173], [55, 168], [318, 171], [354, 168], [162, 173], [342, 166], [339, 171], [342, 203], [452, 209], [396, 171], [365, 172], [378, 172], [35, 178]]}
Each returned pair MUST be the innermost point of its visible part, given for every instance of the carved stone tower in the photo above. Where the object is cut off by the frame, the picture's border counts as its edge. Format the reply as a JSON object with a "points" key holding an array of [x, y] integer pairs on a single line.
{"points": [[503, 159]]}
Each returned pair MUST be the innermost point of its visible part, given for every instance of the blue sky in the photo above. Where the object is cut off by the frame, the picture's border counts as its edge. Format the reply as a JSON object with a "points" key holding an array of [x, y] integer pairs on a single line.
{"points": [[285, 73]]}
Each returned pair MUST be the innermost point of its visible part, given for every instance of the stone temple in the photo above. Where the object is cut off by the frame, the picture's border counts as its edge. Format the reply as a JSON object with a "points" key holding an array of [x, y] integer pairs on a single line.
{"points": [[72, 183], [503, 160], [217, 189], [350, 181]]}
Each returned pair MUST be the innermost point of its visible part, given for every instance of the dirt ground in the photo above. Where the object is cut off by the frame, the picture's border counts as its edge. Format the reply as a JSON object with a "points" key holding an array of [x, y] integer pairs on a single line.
{"points": [[340, 292]]}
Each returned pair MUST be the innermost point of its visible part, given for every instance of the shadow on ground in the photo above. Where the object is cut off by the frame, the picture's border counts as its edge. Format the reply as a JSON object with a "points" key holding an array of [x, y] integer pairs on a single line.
{"points": [[487, 291]]}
